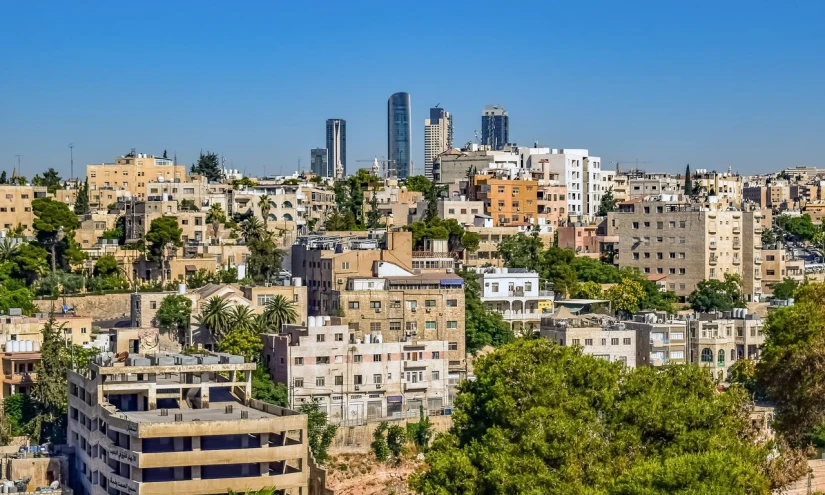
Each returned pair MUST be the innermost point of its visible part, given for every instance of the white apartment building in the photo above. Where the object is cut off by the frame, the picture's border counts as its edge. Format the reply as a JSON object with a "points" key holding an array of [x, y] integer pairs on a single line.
{"points": [[577, 170], [516, 294], [438, 137], [357, 381]]}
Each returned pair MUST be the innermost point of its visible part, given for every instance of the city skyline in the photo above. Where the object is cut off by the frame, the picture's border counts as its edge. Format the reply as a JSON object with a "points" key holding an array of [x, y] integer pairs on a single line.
{"points": [[664, 84]]}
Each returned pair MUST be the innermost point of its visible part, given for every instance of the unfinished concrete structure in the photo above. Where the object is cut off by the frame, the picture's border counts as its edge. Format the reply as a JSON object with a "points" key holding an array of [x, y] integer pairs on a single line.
{"points": [[170, 423]]}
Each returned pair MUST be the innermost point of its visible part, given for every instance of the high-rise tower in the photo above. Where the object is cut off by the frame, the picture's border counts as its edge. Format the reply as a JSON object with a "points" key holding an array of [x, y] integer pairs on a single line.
{"points": [[495, 127], [399, 142], [337, 147], [438, 137], [319, 164]]}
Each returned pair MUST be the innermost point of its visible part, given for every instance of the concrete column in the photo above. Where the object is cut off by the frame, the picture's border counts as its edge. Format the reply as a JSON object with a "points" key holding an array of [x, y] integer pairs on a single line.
{"points": [[196, 443], [233, 376], [136, 444], [264, 440], [153, 397], [136, 474], [196, 472], [264, 469], [204, 397]]}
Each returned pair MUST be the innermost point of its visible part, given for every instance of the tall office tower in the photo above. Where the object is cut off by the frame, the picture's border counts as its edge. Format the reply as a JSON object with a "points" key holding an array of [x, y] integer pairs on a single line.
{"points": [[399, 142], [438, 137], [495, 127], [319, 162], [337, 147]]}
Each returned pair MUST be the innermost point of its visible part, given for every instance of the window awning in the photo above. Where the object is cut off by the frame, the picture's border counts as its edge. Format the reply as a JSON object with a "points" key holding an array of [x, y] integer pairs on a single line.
{"points": [[191, 268]]}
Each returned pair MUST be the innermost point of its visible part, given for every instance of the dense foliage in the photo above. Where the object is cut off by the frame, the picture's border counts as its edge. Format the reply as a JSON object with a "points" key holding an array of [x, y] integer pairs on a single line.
{"points": [[174, 315], [481, 327], [541, 418], [320, 432], [209, 166], [799, 226], [718, 295]]}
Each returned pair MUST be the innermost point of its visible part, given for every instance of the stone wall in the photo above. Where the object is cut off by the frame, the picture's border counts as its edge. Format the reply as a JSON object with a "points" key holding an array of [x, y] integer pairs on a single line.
{"points": [[816, 478], [357, 439], [97, 307]]}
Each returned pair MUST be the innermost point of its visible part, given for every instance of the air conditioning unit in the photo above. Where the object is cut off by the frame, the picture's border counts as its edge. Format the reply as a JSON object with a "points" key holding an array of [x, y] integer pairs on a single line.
{"points": [[358, 387], [377, 310], [429, 310], [413, 310]]}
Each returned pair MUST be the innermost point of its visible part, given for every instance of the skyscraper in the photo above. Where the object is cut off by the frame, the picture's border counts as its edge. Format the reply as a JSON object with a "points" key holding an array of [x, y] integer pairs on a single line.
{"points": [[337, 147], [399, 142], [438, 137], [319, 162], [495, 127]]}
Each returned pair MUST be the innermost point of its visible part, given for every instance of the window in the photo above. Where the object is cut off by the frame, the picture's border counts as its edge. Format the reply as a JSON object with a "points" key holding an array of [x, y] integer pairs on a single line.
{"points": [[322, 360], [375, 326], [707, 355], [412, 305], [299, 361], [452, 346], [588, 341], [357, 358], [345, 265], [354, 305], [339, 380], [436, 355], [395, 325], [672, 271], [452, 303], [635, 225], [604, 341], [659, 256], [299, 382], [575, 341], [614, 341], [265, 299], [681, 256], [153, 304], [635, 256], [375, 304], [429, 303], [430, 325], [682, 271], [320, 337], [357, 379], [672, 224], [647, 255], [682, 224], [339, 337], [495, 287], [376, 379], [626, 341], [376, 358], [672, 256], [353, 326], [412, 326], [452, 325], [660, 225], [436, 375], [451, 211], [319, 381], [721, 357]]}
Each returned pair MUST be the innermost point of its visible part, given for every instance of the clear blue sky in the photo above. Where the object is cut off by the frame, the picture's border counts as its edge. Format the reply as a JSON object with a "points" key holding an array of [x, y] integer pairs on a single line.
{"points": [[708, 83]]}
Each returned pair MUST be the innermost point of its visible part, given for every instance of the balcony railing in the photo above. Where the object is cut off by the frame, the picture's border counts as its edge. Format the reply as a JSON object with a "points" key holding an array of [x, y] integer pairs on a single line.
{"points": [[737, 244], [21, 377], [530, 314]]}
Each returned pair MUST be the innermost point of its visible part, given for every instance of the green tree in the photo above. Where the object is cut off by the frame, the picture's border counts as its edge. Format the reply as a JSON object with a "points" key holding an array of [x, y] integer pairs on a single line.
{"points": [[396, 440], [608, 203], [279, 312], [106, 265], [785, 289], [51, 180], [241, 317], [481, 327], [242, 342], [419, 183], [265, 258], [373, 215], [215, 218], [588, 290], [54, 226], [626, 297], [265, 204], [379, 442], [188, 205], [743, 372], [470, 241], [801, 227], [208, 166], [688, 185], [320, 433], [542, 415], [215, 317], [50, 390], [420, 433], [18, 411], [164, 234], [521, 251], [174, 316], [8, 249], [3, 178], [717, 295], [264, 389], [768, 237], [31, 262], [81, 202], [82, 356]]}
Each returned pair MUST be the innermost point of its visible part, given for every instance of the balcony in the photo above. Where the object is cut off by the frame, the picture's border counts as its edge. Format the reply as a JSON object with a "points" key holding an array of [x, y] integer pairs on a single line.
{"points": [[530, 314], [713, 259], [409, 387], [757, 260], [737, 229], [712, 245], [19, 378], [737, 260], [737, 244]]}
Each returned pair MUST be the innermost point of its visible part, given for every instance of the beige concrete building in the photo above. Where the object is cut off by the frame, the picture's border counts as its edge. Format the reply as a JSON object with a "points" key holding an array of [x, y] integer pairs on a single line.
{"points": [[689, 243], [127, 177], [778, 264], [357, 380], [768, 196], [168, 423], [587, 240], [600, 336], [719, 340], [16, 205], [668, 337], [76, 329]]}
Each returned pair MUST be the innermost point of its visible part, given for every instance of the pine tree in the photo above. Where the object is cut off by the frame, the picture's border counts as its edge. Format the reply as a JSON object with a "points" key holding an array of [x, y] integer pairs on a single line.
{"points": [[688, 185], [50, 390], [373, 216], [81, 203]]}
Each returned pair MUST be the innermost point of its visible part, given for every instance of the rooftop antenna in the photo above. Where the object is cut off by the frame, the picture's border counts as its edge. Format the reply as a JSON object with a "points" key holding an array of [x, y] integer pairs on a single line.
{"points": [[18, 162], [436, 105], [71, 160]]}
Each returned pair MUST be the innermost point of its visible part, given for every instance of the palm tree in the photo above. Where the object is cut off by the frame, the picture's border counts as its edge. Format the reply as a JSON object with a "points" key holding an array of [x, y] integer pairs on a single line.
{"points": [[251, 228], [264, 204], [216, 317], [8, 248], [241, 318], [216, 217], [279, 312]]}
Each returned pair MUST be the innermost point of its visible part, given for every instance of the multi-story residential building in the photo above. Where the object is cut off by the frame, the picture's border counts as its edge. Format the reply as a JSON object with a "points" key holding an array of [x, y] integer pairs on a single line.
{"points": [[668, 337], [575, 169], [600, 336], [641, 186], [495, 127], [508, 202], [195, 193], [517, 295], [689, 243], [18, 362], [76, 329], [169, 423], [717, 341], [16, 205], [587, 239], [399, 136], [438, 137], [128, 176], [726, 187], [92, 227], [767, 196], [779, 263], [459, 209], [319, 162], [336, 148], [356, 380]]}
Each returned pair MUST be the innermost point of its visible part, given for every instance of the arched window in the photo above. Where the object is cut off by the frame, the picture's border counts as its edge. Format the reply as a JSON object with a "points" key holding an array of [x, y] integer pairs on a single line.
{"points": [[287, 204], [287, 217], [707, 355], [272, 217], [721, 357]]}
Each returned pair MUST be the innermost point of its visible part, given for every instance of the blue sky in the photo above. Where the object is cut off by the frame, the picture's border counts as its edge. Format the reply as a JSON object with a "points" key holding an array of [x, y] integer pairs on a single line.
{"points": [[713, 84]]}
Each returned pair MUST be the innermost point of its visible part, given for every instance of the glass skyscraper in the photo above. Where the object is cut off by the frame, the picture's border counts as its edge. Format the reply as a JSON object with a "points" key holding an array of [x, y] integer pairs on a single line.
{"points": [[399, 142], [337, 147], [319, 162], [495, 127]]}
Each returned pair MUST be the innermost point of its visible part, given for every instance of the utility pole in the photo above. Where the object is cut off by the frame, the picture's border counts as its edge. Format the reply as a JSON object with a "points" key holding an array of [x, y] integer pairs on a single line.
{"points": [[71, 160]]}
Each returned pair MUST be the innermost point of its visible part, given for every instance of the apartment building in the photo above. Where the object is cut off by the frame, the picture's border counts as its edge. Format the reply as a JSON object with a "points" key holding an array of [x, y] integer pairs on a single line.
{"points": [[587, 239], [16, 205], [719, 340], [508, 202], [358, 380], [325, 262], [668, 337], [517, 295], [18, 362], [579, 172], [76, 329], [92, 227], [193, 190], [127, 177], [170, 423], [689, 243], [600, 336], [726, 187], [454, 164], [779, 263], [768, 196]]}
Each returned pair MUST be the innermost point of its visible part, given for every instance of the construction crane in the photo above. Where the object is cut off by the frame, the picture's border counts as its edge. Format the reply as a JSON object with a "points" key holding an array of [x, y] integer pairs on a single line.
{"points": [[380, 167]]}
